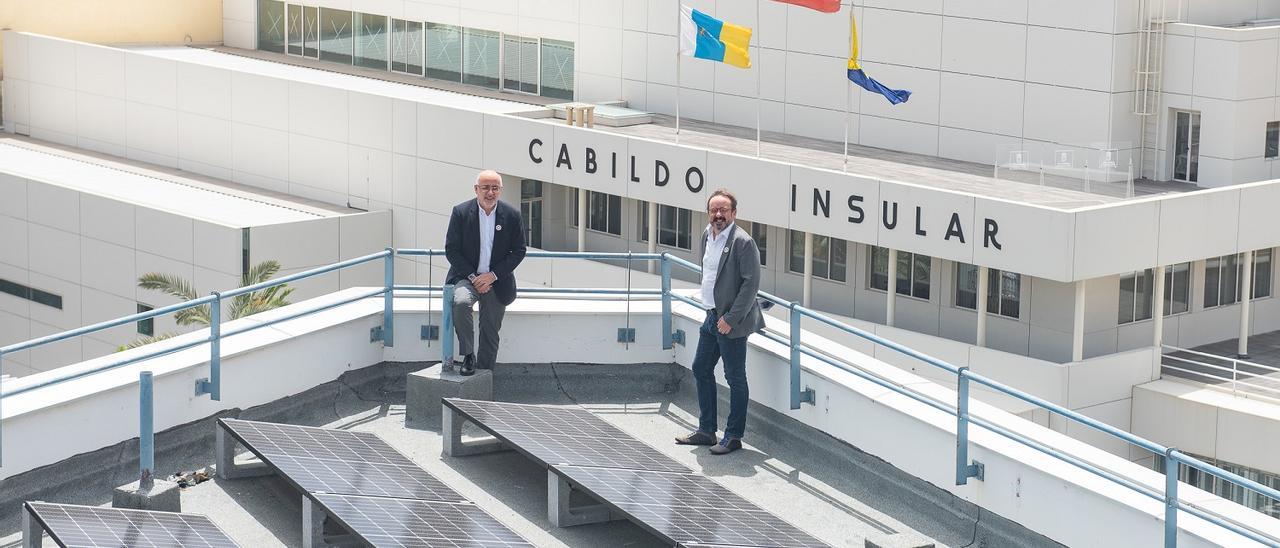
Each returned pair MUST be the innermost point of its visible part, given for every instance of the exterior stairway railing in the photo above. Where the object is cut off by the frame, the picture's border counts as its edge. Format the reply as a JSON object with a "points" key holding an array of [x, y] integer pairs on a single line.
{"points": [[964, 467]]}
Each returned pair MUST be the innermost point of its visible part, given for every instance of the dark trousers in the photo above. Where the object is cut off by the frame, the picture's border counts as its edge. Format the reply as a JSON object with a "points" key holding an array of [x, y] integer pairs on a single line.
{"points": [[491, 313], [712, 347]]}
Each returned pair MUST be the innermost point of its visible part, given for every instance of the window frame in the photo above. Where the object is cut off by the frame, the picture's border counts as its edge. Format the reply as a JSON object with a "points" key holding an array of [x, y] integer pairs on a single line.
{"points": [[573, 211], [1237, 276], [913, 261], [828, 259], [667, 211], [1271, 141], [994, 276]]}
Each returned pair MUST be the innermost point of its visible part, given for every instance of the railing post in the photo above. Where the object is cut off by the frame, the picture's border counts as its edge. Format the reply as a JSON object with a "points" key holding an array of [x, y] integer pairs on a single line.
{"points": [[446, 329], [146, 433], [388, 297], [794, 318], [666, 303], [1170, 499], [215, 347], [964, 470]]}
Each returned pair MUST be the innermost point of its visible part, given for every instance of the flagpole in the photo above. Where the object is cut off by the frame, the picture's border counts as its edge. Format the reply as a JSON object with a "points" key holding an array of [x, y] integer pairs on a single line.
{"points": [[759, 56], [679, 15], [848, 96]]}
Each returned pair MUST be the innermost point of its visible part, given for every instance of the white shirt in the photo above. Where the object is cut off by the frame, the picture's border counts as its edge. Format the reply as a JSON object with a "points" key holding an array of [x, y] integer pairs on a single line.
{"points": [[714, 248], [487, 223]]}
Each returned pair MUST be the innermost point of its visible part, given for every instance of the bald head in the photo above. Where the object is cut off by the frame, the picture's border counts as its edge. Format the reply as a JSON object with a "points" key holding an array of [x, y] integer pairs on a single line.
{"points": [[488, 188]]}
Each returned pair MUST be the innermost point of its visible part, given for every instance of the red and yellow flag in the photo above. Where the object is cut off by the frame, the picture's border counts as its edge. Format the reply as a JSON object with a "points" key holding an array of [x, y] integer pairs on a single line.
{"points": [[824, 6]]}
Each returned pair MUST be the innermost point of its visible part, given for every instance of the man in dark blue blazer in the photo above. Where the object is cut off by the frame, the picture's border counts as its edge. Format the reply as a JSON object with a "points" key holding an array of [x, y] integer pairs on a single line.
{"points": [[484, 245]]}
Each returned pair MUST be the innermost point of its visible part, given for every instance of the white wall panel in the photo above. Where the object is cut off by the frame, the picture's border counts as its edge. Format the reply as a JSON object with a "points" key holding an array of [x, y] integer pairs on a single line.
{"points": [[100, 70], [260, 151], [883, 31], [318, 163], [15, 188], [164, 234], [1009, 11], [204, 140], [404, 183], [17, 104], [819, 123], [507, 144], [1098, 252], [567, 154], [451, 135], [697, 74], [218, 247], [898, 135], [818, 33], [604, 56], [1063, 115], [1071, 58], [815, 81], [926, 210], [296, 245], [970, 146], [107, 219], [204, 90], [152, 129], [13, 241], [260, 100], [1091, 15], [54, 206], [53, 253], [1259, 224], [984, 48], [370, 120], [1217, 133], [108, 267], [102, 119], [741, 111], [442, 186], [53, 113], [151, 80], [634, 62], [1250, 129], [923, 6], [1192, 227], [660, 98], [594, 88], [845, 190], [661, 68], [51, 62], [981, 104], [318, 111], [16, 55], [925, 83], [367, 168], [760, 186]]}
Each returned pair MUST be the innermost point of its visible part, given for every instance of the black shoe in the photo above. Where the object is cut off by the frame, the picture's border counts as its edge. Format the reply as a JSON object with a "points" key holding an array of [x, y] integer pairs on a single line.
{"points": [[468, 366], [697, 437], [726, 446]]}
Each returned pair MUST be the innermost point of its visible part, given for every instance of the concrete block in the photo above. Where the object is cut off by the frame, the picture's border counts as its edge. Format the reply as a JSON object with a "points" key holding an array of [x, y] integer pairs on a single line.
{"points": [[899, 540], [424, 389], [163, 496]]}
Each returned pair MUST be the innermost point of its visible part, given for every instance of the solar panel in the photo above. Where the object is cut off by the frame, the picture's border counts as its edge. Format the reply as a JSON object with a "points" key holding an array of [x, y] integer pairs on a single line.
{"points": [[76, 526], [688, 509], [321, 460], [564, 435], [401, 522]]}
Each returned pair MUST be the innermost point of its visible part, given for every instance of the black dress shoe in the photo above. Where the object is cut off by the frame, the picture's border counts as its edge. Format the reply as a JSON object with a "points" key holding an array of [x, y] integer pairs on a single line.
{"points": [[468, 366], [696, 437]]}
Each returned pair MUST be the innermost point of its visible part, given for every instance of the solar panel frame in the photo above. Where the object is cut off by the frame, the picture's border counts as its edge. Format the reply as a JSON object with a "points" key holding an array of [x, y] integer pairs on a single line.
{"points": [[63, 527], [745, 523], [402, 478], [529, 430], [354, 514]]}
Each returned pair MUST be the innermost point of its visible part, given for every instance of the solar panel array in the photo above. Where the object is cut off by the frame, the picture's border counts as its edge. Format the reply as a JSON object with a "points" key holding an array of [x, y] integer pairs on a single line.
{"points": [[656, 491], [373, 489], [76, 526], [405, 522], [688, 508], [560, 435], [322, 460]]}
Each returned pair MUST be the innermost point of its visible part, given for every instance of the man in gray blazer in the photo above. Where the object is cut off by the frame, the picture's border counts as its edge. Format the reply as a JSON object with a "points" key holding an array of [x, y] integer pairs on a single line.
{"points": [[730, 279]]}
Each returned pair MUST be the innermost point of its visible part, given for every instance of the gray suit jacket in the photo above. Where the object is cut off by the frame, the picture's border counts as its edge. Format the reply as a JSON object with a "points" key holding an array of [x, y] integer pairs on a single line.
{"points": [[737, 282]]}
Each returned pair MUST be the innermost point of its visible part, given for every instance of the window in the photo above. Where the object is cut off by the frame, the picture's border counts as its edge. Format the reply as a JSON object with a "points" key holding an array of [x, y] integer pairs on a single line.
{"points": [[1186, 147], [759, 233], [675, 225], [406, 46], [1004, 290], [830, 256], [480, 57], [557, 69], [336, 42], [914, 271], [30, 294], [271, 25], [1222, 278], [1272, 148], [444, 52], [519, 63], [304, 25], [604, 212], [531, 211], [371, 41], [148, 326]]}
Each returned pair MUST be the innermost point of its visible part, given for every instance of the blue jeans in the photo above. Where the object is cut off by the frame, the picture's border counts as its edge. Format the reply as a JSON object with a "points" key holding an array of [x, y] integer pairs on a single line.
{"points": [[712, 346]]}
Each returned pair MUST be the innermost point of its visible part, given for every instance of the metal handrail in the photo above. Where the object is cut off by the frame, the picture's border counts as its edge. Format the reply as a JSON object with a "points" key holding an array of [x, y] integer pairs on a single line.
{"points": [[964, 468], [1217, 357]]}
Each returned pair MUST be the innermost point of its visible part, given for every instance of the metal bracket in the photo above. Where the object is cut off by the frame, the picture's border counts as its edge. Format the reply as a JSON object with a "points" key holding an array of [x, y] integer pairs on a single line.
{"points": [[430, 333], [375, 333], [678, 337], [203, 386], [808, 396], [626, 334], [976, 470]]}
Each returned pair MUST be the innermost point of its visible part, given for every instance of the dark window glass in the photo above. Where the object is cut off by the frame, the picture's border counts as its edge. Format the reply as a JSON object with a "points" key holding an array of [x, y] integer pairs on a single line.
{"points": [[480, 57], [760, 233], [444, 52], [1272, 149], [879, 278], [795, 259], [839, 259], [1262, 273], [371, 41], [271, 25], [148, 326], [30, 294], [557, 69], [336, 42], [406, 46]]}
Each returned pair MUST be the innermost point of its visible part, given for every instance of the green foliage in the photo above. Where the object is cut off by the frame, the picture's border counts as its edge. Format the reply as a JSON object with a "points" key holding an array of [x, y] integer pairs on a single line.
{"points": [[240, 306]]}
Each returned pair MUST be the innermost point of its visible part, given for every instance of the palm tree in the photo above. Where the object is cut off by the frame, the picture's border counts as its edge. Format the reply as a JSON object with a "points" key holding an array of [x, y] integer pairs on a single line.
{"points": [[247, 304]]}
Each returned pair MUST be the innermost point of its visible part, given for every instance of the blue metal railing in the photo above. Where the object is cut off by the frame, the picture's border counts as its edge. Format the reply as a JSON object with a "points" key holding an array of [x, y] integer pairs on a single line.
{"points": [[965, 468]]}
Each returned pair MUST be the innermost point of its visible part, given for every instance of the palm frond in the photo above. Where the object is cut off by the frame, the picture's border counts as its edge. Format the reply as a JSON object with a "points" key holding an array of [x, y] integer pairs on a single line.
{"points": [[168, 283], [144, 341], [260, 272], [194, 315]]}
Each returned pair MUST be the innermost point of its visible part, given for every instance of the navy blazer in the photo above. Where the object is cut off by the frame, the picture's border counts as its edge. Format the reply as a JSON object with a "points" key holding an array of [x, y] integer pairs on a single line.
{"points": [[462, 246]]}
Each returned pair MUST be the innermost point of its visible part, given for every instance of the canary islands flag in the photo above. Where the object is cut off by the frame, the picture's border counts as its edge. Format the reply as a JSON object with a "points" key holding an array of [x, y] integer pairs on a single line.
{"points": [[705, 37], [859, 77]]}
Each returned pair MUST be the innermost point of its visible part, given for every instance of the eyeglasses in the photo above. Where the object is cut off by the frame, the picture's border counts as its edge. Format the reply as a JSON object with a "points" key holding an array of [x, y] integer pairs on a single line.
{"points": [[488, 188], [720, 210]]}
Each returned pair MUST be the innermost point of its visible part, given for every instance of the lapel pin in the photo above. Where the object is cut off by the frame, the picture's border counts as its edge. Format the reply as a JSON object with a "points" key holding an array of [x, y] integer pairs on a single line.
{"points": [[497, 227], [726, 250]]}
